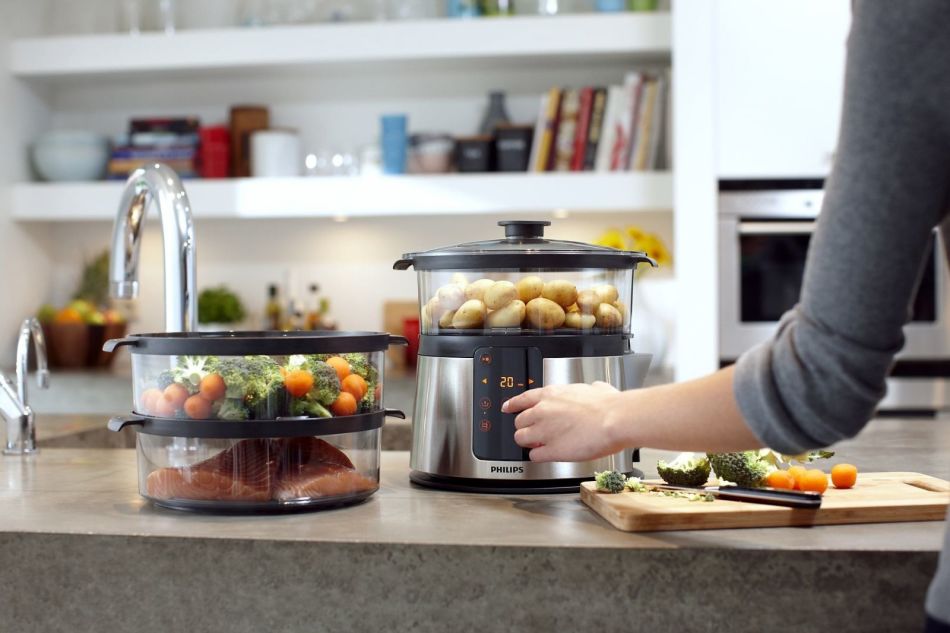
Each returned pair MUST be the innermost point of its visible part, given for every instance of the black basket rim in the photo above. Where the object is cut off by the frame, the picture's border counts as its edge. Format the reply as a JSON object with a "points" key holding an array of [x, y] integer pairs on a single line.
{"points": [[253, 429], [254, 343]]}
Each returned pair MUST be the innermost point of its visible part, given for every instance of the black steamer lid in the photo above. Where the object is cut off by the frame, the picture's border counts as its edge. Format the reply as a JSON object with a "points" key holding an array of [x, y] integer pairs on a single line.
{"points": [[523, 247]]}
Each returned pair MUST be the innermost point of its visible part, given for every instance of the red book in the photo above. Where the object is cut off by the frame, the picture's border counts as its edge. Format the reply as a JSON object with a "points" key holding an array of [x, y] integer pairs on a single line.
{"points": [[583, 125]]}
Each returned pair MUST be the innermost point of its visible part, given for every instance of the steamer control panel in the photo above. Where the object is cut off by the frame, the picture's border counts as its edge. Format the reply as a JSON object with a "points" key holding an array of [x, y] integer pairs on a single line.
{"points": [[501, 373]]}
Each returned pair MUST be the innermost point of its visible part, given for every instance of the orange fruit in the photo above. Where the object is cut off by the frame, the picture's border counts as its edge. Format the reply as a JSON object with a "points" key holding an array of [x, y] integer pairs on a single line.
{"points": [[69, 315], [298, 382], [814, 481], [780, 479], [164, 408], [355, 385], [176, 395], [212, 387], [345, 404], [341, 366], [197, 408], [797, 472], [844, 475], [149, 399]]}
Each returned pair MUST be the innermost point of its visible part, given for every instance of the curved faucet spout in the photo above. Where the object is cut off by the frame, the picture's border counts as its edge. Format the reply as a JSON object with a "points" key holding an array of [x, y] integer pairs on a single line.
{"points": [[160, 183], [31, 330], [14, 404]]}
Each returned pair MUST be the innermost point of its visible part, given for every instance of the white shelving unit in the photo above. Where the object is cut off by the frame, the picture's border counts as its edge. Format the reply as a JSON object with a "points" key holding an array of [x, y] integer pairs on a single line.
{"points": [[354, 197], [331, 82], [460, 43]]}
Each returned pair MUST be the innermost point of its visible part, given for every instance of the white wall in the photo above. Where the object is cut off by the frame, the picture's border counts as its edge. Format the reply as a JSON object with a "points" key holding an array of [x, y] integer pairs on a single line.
{"points": [[694, 189], [331, 108], [25, 264], [351, 261]]}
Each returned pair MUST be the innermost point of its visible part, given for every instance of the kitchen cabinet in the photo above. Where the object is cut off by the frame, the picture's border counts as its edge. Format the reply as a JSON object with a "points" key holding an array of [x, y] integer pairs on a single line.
{"points": [[778, 86]]}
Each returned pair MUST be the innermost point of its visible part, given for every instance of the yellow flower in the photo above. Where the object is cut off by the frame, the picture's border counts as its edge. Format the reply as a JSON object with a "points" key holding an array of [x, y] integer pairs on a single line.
{"points": [[653, 246], [612, 239], [635, 234]]}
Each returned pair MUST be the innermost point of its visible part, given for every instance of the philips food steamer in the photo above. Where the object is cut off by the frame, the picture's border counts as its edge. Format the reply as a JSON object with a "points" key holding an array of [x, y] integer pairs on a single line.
{"points": [[498, 318]]}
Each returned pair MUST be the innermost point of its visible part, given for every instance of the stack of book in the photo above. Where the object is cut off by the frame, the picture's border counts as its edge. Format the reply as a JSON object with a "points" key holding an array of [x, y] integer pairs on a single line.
{"points": [[613, 128], [172, 141]]}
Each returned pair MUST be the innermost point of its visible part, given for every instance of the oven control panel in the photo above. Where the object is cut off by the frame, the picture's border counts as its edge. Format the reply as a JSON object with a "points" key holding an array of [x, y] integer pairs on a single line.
{"points": [[501, 373]]}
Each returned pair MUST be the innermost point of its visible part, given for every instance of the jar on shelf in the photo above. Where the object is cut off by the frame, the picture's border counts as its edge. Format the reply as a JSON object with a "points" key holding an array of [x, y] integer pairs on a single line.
{"points": [[462, 8], [498, 7]]}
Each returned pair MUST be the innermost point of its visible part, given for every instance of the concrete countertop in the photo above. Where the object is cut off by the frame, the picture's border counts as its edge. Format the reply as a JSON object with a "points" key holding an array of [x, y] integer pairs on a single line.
{"points": [[74, 531]]}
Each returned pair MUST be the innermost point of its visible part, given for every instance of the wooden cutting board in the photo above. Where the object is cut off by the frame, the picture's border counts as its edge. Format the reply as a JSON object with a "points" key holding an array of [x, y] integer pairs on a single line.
{"points": [[877, 498]]}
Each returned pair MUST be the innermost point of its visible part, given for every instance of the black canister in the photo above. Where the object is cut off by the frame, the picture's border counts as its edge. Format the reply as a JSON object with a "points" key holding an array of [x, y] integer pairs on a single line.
{"points": [[475, 154], [513, 147]]}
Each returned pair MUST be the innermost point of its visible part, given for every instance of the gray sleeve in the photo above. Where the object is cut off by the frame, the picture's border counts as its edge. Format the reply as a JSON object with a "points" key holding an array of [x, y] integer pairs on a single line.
{"points": [[820, 379]]}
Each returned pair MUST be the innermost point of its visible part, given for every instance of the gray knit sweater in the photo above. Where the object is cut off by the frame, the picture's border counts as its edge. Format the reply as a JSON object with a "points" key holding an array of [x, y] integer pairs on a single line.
{"points": [[819, 380]]}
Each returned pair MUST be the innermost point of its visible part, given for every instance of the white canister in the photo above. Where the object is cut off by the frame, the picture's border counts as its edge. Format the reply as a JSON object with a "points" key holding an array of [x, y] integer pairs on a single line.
{"points": [[275, 154]]}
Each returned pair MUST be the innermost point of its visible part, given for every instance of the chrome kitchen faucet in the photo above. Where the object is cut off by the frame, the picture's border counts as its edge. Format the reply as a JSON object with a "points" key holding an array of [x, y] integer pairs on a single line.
{"points": [[160, 183], [14, 403]]}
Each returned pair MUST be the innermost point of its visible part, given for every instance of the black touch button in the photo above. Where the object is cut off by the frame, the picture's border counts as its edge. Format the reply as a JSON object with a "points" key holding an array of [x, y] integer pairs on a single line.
{"points": [[509, 372]]}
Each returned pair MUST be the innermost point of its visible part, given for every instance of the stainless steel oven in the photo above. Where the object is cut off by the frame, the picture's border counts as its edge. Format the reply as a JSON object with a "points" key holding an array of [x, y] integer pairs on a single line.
{"points": [[764, 232]]}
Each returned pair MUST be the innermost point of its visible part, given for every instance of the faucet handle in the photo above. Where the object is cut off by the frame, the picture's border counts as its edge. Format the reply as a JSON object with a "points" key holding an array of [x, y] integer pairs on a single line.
{"points": [[11, 407]]}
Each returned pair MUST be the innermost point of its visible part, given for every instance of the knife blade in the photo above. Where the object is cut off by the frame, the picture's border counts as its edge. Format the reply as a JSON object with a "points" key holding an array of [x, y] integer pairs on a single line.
{"points": [[768, 496]]}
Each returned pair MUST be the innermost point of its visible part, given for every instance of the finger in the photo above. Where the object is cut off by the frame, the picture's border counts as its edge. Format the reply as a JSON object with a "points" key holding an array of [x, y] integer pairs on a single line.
{"points": [[526, 438], [524, 401], [526, 418], [541, 454]]}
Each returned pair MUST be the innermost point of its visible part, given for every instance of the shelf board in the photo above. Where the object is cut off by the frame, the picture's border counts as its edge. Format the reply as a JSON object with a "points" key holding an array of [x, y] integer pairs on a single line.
{"points": [[457, 42], [380, 196]]}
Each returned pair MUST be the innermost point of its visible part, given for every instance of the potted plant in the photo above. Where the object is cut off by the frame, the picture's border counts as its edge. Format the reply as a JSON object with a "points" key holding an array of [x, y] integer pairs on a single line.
{"points": [[219, 309]]}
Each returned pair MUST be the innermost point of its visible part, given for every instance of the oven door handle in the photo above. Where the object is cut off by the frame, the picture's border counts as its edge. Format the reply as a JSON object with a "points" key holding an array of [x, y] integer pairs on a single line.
{"points": [[777, 228]]}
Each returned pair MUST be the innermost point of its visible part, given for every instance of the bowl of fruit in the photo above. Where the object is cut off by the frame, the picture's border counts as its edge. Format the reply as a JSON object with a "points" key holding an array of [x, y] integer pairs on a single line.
{"points": [[76, 332]]}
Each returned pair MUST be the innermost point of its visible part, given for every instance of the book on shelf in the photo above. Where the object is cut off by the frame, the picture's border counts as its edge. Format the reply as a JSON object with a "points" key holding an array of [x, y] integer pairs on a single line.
{"points": [[609, 128], [628, 121], [172, 152], [174, 141], [582, 129], [595, 128], [639, 156], [660, 128], [547, 139], [534, 161], [620, 127], [165, 125], [567, 125]]}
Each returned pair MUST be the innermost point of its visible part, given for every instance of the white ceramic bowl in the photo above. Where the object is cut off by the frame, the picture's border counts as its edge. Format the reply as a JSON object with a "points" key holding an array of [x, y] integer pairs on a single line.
{"points": [[71, 155]]}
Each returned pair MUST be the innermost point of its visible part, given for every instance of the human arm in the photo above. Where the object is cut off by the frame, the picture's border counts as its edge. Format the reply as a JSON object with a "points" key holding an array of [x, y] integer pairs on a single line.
{"points": [[821, 377], [581, 422]]}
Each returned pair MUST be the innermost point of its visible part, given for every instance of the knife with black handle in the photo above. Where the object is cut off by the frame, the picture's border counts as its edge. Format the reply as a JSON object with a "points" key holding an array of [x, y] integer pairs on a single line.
{"points": [[768, 496]]}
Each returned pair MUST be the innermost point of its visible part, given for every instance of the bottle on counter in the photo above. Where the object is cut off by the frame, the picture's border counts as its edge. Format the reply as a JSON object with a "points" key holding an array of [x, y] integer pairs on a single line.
{"points": [[327, 322], [313, 320], [273, 311], [296, 317]]}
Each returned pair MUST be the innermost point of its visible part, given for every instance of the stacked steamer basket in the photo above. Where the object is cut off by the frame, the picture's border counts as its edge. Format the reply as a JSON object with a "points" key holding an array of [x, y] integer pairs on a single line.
{"points": [[257, 421], [503, 316]]}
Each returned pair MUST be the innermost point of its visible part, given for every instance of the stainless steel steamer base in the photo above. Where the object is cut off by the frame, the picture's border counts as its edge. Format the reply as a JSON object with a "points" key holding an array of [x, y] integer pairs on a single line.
{"points": [[444, 426]]}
